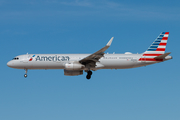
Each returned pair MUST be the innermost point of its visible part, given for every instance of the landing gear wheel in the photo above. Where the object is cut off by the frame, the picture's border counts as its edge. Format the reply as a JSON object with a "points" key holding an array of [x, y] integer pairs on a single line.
{"points": [[88, 77], [25, 75], [89, 73]]}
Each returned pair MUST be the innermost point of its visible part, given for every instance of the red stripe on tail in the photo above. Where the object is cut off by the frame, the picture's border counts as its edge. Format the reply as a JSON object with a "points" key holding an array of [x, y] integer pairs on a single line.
{"points": [[149, 59], [152, 54], [164, 38], [160, 49], [163, 44]]}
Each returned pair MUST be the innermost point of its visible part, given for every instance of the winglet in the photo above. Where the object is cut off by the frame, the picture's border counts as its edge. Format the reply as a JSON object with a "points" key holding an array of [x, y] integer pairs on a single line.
{"points": [[110, 41]]}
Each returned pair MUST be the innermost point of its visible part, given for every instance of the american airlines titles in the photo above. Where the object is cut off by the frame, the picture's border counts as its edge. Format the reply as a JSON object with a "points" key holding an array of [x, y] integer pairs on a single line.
{"points": [[52, 58]]}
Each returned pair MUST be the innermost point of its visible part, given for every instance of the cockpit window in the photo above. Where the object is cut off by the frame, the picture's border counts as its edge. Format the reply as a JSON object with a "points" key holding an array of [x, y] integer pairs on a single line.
{"points": [[16, 58]]}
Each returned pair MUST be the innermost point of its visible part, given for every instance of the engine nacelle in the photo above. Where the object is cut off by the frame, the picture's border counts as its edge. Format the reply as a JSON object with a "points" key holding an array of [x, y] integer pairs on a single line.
{"points": [[73, 72], [74, 66]]}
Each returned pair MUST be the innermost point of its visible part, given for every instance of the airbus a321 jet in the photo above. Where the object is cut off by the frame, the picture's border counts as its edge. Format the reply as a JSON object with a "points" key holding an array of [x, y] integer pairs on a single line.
{"points": [[75, 64]]}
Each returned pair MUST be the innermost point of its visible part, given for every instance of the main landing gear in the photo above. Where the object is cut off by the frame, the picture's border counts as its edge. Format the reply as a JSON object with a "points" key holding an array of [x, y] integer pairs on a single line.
{"points": [[89, 73], [25, 75]]}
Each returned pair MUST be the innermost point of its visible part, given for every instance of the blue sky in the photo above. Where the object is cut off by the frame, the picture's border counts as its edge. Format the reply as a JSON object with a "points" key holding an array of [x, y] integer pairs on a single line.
{"points": [[85, 26]]}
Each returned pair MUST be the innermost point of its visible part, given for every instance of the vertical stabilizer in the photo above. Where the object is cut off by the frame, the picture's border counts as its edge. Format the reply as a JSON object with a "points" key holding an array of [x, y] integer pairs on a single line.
{"points": [[157, 48]]}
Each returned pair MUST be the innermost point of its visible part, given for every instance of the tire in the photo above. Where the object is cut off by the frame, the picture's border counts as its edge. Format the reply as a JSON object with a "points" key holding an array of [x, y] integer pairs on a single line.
{"points": [[88, 77], [89, 72], [25, 75]]}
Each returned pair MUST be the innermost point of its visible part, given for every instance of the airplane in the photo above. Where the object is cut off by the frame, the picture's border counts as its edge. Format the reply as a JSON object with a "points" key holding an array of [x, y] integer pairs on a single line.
{"points": [[75, 64]]}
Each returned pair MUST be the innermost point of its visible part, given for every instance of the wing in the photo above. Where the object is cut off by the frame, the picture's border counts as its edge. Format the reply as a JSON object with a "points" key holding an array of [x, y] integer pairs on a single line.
{"points": [[90, 61]]}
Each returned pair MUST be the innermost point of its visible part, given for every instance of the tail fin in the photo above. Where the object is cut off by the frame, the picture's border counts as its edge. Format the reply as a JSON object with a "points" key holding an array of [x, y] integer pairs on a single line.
{"points": [[158, 47]]}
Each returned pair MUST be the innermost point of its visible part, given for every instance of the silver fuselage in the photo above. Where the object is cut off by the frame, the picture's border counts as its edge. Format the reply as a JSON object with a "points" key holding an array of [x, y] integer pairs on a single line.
{"points": [[58, 61]]}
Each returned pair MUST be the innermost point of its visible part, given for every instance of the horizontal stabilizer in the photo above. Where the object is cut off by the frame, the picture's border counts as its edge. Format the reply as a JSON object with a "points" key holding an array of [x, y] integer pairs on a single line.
{"points": [[162, 56]]}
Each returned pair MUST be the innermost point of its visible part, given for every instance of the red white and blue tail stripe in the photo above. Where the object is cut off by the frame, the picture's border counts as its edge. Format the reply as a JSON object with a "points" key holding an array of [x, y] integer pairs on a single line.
{"points": [[157, 48]]}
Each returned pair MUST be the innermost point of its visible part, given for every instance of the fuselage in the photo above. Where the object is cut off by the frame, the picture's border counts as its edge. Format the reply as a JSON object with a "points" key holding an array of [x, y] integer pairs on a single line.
{"points": [[58, 61], [75, 64]]}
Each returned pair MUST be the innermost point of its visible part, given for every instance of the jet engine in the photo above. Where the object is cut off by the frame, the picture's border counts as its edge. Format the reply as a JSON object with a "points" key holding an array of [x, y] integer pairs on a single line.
{"points": [[74, 66]]}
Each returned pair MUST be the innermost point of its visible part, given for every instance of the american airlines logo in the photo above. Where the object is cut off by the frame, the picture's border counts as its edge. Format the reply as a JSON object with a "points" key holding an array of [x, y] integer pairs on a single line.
{"points": [[31, 58], [52, 58]]}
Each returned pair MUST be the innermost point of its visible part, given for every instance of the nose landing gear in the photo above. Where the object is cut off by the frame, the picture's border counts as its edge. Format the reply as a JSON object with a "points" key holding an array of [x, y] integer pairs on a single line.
{"points": [[89, 73], [25, 75]]}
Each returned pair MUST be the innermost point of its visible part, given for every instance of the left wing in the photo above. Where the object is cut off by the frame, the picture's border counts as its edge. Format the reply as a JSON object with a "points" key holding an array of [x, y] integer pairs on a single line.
{"points": [[91, 60]]}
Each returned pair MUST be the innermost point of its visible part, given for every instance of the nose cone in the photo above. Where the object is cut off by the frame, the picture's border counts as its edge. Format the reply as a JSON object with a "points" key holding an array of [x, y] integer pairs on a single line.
{"points": [[10, 64]]}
